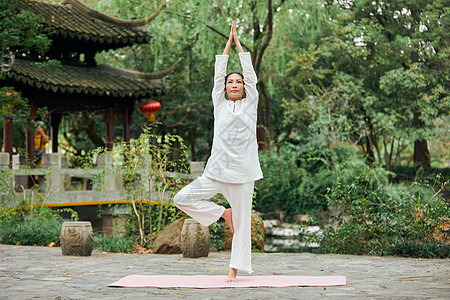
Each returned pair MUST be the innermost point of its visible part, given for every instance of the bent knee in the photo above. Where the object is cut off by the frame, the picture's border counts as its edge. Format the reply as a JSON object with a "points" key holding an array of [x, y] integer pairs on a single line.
{"points": [[179, 199]]}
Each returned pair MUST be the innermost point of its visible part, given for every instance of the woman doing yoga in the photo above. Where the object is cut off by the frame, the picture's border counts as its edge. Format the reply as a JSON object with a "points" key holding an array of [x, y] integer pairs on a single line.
{"points": [[233, 165]]}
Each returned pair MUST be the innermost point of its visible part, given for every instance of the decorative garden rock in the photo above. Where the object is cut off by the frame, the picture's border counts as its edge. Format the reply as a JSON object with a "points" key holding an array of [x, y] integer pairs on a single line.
{"points": [[76, 238], [168, 239], [195, 239], [257, 235]]}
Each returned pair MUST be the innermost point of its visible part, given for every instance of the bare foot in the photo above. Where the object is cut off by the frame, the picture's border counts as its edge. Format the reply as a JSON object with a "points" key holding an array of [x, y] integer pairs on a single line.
{"points": [[232, 275], [228, 216]]}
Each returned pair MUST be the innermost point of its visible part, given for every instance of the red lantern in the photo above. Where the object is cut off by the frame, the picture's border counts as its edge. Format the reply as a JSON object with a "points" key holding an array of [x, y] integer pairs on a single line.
{"points": [[149, 109]]}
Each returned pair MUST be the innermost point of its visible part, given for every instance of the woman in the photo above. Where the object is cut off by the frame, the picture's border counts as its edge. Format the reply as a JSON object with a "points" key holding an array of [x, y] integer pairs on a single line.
{"points": [[233, 165]]}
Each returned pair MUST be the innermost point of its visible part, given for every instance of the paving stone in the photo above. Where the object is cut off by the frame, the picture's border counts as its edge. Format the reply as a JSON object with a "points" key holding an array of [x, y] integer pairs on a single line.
{"points": [[43, 272]]}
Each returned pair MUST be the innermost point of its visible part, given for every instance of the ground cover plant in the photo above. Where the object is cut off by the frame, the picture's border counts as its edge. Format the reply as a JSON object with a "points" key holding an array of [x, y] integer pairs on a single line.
{"points": [[371, 220], [32, 226], [109, 243], [24, 219]]}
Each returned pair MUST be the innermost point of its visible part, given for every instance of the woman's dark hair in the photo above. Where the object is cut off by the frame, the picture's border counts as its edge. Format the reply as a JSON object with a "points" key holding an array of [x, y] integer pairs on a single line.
{"points": [[226, 77]]}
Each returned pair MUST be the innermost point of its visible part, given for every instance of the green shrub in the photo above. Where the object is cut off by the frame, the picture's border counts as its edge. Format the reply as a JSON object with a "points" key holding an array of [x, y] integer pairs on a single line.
{"points": [[111, 243], [143, 165], [297, 178], [426, 250], [41, 227], [372, 221]]}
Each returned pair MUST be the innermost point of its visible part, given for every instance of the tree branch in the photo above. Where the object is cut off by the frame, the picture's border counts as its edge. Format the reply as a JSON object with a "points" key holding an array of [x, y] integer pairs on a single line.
{"points": [[225, 36], [278, 6], [268, 36], [177, 14]]}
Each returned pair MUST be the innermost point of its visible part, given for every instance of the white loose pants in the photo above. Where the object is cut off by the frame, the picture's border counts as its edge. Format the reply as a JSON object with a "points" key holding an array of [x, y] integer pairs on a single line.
{"points": [[191, 200]]}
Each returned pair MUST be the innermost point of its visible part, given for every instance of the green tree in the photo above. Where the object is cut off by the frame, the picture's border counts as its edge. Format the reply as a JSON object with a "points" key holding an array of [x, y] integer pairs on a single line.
{"points": [[380, 74], [20, 31], [197, 32]]}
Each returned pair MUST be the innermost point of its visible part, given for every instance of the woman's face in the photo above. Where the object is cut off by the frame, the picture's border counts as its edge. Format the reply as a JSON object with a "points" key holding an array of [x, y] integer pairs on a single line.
{"points": [[234, 87]]}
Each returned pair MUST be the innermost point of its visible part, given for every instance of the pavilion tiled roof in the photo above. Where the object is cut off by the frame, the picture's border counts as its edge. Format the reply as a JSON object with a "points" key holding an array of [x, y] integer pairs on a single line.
{"points": [[75, 20], [101, 80]]}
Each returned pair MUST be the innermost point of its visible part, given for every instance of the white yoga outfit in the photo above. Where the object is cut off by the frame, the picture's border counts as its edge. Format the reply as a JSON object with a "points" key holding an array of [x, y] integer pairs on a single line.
{"points": [[233, 165]]}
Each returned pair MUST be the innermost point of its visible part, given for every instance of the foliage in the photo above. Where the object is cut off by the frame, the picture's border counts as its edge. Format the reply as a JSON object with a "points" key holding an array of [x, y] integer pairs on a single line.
{"points": [[29, 222], [6, 187], [372, 221], [297, 178], [114, 244], [14, 106], [21, 30], [38, 226], [216, 233], [196, 31], [148, 159], [377, 69], [51, 65], [426, 249], [152, 221], [144, 166], [378, 72], [259, 226]]}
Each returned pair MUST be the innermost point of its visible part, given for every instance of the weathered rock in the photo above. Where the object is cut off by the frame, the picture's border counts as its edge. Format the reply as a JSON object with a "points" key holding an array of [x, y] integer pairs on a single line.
{"points": [[277, 215], [168, 240], [76, 238], [195, 239], [257, 235]]}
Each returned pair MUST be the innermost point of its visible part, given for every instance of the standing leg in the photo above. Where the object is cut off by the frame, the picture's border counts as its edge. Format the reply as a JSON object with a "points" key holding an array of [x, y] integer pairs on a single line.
{"points": [[240, 198], [191, 200]]}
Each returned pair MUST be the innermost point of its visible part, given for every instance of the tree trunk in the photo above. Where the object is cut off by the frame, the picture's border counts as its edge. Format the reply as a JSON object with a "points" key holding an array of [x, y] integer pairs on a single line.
{"points": [[265, 131], [370, 158], [192, 140], [421, 154]]}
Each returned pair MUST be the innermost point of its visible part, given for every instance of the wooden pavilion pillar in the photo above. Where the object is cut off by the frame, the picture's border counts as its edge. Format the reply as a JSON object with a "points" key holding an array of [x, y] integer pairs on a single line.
{"points": [[109, 119], [30, 134], [8, 138], [127, 117], [55, 120]]}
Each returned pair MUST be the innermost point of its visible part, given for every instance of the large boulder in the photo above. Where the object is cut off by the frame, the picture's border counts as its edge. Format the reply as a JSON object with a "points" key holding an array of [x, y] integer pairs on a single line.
{"points": [[257, 235], [195, 239], [168, 240]]}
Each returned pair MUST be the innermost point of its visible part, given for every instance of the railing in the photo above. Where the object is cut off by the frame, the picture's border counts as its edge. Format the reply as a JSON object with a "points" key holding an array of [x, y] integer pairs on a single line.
{"points": [[63, 186]]}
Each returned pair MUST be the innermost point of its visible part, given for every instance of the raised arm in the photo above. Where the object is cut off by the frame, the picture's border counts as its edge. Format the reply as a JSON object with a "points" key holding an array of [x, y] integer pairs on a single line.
{"points": [[220, 70], [250, 78]]}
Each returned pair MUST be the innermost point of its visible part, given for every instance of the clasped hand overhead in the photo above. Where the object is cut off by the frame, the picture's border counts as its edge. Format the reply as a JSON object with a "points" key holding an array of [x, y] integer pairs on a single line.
{"points": [[233, 38]]}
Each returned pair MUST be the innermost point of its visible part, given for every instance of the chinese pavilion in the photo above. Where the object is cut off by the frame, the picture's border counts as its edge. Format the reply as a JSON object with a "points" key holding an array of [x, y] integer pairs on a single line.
{"points": [[78, 32]]}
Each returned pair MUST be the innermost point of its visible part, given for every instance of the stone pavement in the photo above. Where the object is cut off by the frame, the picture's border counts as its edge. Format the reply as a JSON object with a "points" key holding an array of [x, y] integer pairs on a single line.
{"points": [[44, 273]]}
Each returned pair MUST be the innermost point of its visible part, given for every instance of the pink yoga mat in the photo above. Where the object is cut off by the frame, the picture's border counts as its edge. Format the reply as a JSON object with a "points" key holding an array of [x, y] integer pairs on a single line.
{"points": [[218, 281]]}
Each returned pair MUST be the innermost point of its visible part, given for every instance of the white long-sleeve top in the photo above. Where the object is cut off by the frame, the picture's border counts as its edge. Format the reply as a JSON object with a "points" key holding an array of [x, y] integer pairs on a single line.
{"points": [[234, 154]]}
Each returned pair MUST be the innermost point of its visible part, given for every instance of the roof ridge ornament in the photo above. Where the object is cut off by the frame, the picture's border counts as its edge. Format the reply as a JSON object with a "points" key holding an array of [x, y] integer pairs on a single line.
{"points": [[7, 59], [85, 9]]}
